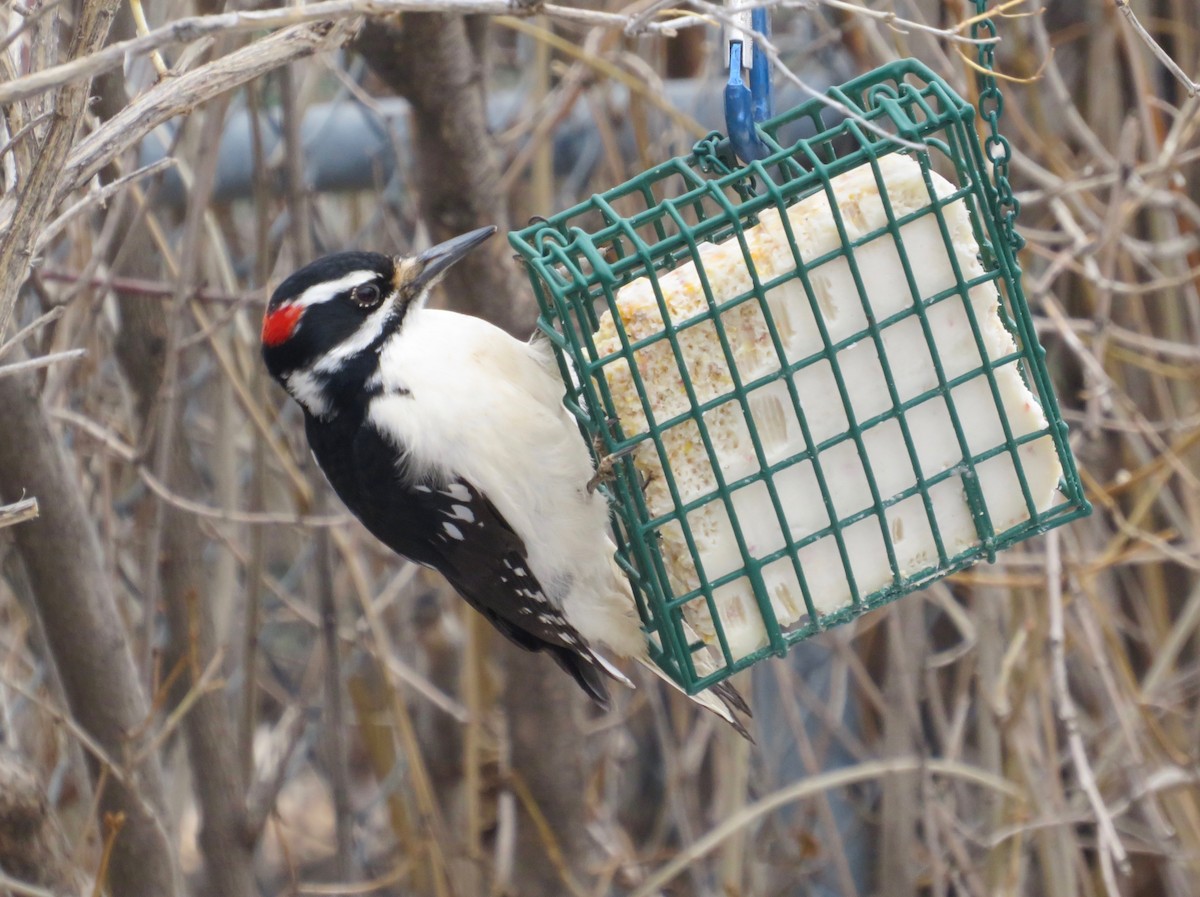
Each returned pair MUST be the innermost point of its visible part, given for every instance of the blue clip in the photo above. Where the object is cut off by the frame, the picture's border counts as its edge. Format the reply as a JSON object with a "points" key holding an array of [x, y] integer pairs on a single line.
{"points": [[744, 106]]}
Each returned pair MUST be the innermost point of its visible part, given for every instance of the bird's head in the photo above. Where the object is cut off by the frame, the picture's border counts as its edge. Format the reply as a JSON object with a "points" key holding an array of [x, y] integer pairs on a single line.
{"points": [[325, 324]]}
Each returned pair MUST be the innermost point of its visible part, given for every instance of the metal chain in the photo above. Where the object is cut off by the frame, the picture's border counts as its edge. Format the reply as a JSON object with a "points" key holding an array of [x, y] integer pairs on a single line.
{"points": [[709, 156], [715, 156], [991, 106]]}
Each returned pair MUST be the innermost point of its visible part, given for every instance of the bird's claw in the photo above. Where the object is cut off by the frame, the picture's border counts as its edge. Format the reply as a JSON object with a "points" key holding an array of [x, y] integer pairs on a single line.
{"points": [[606, 466]]}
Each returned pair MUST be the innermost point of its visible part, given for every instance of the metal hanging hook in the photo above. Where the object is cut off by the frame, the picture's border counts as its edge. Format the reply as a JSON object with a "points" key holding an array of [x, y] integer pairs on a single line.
{"points": [[747, 105]]}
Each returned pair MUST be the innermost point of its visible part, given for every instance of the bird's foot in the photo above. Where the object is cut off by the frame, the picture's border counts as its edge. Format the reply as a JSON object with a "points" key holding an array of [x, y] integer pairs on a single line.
{"points": [[606, 466]]}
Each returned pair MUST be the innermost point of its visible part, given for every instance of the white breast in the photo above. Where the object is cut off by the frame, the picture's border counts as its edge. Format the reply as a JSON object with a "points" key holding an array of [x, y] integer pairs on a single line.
{"points": [[466, 399]]}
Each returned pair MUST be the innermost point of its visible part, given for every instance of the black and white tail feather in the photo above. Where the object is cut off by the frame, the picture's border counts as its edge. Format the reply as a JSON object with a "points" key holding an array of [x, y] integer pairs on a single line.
{"points": [[448, 439]]}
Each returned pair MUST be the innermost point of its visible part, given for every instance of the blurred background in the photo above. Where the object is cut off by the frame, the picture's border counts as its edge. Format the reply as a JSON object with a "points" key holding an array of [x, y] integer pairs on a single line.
{"points": [[214, 682]]}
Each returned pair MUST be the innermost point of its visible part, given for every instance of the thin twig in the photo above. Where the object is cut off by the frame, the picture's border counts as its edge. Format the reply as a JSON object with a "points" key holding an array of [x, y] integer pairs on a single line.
{"points": [[289, 734], [1164, 57], [153, 289], [18, 512], [671, 21], [129, 454], [24, 131], [37, 323], [336, 757], [192, 28], [253, 518], [41, 185], [546, 833], [429, 811], [97, 198], [839, 778], [143, 28], [1111, 850], [30, 16], [33, 364], [256, 564], [95, 749], [8, 884], [1167, 654], [204, 684], [637, 86], [725, 15], [184, 92], [383, 882]]}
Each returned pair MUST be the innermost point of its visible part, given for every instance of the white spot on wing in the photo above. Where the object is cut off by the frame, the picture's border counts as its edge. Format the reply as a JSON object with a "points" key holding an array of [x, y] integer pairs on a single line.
{"points": [[457, 491], [462, 512], [453, 531]]}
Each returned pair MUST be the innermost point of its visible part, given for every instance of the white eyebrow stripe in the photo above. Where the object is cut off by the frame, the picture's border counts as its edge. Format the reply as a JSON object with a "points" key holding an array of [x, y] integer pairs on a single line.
{"points": [[323, 292]]}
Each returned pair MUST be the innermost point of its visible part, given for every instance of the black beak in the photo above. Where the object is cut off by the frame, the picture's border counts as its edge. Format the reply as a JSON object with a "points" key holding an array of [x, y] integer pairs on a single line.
{"points": [[437, 259]]}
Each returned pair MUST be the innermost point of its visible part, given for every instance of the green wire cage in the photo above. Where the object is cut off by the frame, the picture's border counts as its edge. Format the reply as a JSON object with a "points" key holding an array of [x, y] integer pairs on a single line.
{"points": [[819, 371]]}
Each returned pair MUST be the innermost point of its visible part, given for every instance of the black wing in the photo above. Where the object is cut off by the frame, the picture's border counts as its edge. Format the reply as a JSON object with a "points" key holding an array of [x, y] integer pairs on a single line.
{"points": [[455, 529]]}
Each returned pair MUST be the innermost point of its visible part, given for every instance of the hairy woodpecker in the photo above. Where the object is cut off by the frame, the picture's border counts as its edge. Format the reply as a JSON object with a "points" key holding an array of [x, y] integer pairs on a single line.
{"points": [[448, 439]]}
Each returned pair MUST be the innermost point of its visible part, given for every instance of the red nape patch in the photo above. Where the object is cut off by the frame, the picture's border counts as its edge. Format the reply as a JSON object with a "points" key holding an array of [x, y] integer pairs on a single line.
{"points": [[279, 325]]}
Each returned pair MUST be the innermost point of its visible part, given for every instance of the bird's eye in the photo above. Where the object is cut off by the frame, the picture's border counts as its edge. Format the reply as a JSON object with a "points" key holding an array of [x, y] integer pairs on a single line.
{"points": [[366, 295]]}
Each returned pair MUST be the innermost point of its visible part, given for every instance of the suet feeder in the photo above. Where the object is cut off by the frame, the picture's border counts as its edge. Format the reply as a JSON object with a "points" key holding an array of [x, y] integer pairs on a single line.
{"points": [[823, 365]]}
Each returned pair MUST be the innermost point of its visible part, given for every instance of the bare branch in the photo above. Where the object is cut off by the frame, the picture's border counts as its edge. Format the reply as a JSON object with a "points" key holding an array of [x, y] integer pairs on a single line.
{"points": [[40, 321], [194, 28], [1163, 56], [40, 185], [23, 889], [33, 364], [1111, 850], [18, 512], [228, 515], [98, 197], [137, 286], [863, 772], [182, 94], [290, 733]]}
